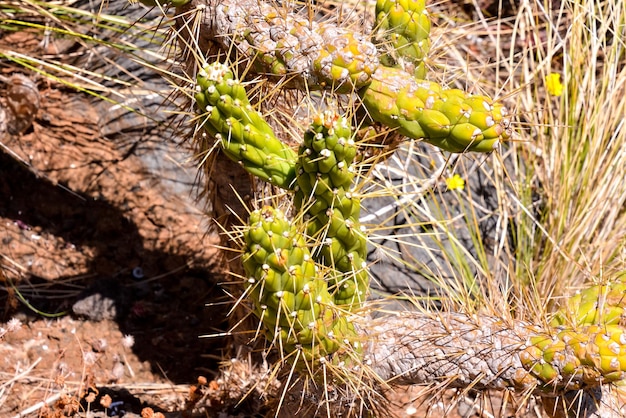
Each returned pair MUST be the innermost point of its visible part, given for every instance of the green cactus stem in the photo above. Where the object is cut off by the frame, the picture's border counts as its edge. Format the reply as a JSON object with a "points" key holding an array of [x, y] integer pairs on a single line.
{"points": [[244, 135], [331, 211], [595, 305], [290, 295], [595, 354], [447, 118], [402, 31]]}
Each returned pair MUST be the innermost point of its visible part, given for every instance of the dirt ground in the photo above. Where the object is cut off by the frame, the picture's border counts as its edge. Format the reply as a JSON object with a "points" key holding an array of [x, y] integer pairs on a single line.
{"points": [[112, 270], [107, 268]]}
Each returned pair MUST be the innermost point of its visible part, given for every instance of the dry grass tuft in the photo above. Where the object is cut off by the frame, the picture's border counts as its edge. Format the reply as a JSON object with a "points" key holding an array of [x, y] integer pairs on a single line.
{"points": [[577, 142]]}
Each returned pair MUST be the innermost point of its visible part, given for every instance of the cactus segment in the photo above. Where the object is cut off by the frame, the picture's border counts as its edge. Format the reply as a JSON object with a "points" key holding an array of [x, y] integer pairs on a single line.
{"points": [[599, 304], [244, 135], [447, 118], [304, 54], [596, 353], [290, 296], [346, 62], [403, 28], [325, 176], [587, 343]]}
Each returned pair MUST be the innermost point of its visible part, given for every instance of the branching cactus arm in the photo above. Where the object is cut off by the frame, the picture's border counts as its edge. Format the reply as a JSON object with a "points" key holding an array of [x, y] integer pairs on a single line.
{"points": [[448, 118], [326, 200], [310, 55], [290, 295], [244, 135], [490, 353], [418, 348], [402, 30], [277, 42], [598, 304]]}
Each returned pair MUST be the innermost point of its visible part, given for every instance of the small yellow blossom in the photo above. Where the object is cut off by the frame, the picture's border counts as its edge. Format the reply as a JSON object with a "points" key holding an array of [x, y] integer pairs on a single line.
{"points": [[554, 85], [455, 182]]}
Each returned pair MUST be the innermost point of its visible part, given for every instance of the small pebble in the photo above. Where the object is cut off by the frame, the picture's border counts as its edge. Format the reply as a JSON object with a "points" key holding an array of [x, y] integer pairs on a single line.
{"points": [[138, 273]]}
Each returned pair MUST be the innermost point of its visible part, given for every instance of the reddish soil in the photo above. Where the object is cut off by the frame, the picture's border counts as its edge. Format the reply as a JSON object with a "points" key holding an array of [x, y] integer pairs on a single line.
{"points": [[96, 247]]}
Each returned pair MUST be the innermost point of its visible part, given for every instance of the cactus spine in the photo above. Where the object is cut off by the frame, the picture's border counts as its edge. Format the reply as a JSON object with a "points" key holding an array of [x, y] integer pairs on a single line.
{"points": [[325, 175]]}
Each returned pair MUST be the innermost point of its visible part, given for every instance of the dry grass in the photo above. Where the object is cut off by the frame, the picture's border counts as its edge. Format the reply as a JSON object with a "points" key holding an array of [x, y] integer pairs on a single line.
{"points": [[578, 142]]}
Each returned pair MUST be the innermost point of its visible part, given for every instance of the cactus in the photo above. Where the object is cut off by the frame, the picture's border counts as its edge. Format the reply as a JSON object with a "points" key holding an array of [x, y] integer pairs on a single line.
{"points": [[312, 56], [331, 210], [598, 304], [485, 352], [304, 310], [403, 27], [595, 354], [304, 54], [449, 119], [585, 341], [243, 133], [290, 295], [345, 64], [276, 256]]}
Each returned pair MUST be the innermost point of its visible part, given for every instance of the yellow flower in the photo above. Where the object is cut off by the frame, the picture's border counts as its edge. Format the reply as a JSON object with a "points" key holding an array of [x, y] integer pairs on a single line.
{"points": [[553, 84], [455, 182]]}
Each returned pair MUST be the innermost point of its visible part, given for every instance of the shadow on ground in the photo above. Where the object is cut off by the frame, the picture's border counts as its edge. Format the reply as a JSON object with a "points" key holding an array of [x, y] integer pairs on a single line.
{"points": [[165, 314]]}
